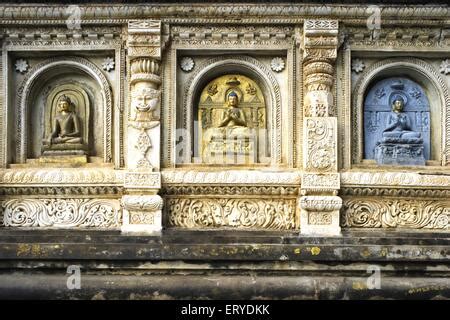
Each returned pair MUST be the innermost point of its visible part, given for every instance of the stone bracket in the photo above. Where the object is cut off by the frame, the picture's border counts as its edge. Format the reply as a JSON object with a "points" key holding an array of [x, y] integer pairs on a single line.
{"points": [[142, 214], [320, 215]]}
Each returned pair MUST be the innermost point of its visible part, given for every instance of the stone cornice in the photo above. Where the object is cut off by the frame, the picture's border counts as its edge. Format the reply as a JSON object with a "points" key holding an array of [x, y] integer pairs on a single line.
{"points": [[219, 13]]}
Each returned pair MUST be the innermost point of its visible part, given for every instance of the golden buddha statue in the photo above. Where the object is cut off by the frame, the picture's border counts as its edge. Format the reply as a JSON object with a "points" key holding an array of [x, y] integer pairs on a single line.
{"points": [[231, 137]]}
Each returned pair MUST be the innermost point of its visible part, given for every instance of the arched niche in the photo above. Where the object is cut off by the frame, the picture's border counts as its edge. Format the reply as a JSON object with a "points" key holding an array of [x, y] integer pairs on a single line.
{"points": [[53, 75], [221, 66], [217, 130], [434, 87]]}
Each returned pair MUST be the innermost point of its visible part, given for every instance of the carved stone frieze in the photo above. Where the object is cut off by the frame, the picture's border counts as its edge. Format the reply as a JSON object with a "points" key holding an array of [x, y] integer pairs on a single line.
{"points": [[374, 191], [248, 213], [400, 37], [30, 191], [61, 213], [230, 190], [395, 179], [321, 203], [221, 36], [395, 213], [234, 177], [245, 13], [142, 180], [66, 176]]}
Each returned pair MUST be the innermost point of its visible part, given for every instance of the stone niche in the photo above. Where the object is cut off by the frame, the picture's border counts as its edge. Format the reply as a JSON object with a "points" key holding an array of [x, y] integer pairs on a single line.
{"points": [[397, 137], [232, 135], [424, 94], [202, 90], [39, 120]]}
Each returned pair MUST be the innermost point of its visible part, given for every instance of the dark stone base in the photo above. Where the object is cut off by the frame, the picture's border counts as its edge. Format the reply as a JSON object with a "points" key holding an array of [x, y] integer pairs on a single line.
{"points": [[400, 154], [220, 265]]}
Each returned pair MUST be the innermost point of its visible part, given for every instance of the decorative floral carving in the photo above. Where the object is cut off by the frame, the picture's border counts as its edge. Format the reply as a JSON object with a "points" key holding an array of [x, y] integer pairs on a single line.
{"points": [[358, 65], [321, 146], [445, 67], [108, 64], [321, 203], [319, 218], [187, 64], [233, 177], [66, 213], [230, 190], [21, 65], [264, 214], [142, 203], [277, 64], [392, 213], [142, 179], [66, 176], [143, 144]]}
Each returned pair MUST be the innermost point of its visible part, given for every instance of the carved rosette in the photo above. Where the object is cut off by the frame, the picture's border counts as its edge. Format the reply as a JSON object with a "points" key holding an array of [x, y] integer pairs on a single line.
{"points": [[142, 206]]}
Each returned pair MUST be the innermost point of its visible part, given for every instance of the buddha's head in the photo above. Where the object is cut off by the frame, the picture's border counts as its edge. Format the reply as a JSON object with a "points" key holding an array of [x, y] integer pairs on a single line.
{"points": [[64, 103], [398, 104], [233, 99]]}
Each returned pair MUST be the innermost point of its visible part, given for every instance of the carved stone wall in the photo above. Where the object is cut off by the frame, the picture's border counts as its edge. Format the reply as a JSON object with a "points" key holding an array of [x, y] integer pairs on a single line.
{"points": [[143, 69]]}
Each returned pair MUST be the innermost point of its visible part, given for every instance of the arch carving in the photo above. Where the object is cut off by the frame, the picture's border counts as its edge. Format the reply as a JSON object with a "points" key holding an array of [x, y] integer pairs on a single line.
{"points": [[421, 71], [23, 96]]}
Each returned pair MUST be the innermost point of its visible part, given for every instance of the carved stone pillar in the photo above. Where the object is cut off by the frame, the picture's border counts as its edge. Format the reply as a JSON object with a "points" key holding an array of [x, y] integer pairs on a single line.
{"points": [[319, 204], [142, 205]]}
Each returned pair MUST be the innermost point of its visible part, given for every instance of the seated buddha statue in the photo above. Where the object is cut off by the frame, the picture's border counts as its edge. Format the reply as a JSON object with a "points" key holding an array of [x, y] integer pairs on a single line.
{"points": [[231, 134], [233, 116], [65, 136], [398, 124]]}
